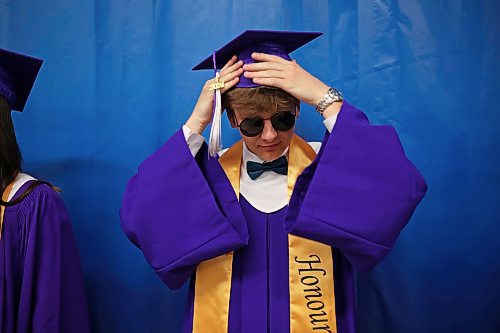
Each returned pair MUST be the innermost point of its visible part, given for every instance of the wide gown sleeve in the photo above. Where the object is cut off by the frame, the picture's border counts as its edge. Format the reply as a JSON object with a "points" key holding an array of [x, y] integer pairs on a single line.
{"points": [[359, 192], [181, 210], [52, 290]]}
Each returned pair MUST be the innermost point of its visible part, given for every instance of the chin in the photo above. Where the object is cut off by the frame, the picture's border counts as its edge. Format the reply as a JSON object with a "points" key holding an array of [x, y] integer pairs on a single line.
{"points": [[270, 155]]}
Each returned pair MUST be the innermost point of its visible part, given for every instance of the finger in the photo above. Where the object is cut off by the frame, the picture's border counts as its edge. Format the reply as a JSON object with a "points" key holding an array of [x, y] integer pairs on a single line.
{"points": [[229, 76], [206, 86], [225, 78], [268, 73], [230, 62], [268, 57], [266, 65], [232, 68], [228, 85], [267, 81]]}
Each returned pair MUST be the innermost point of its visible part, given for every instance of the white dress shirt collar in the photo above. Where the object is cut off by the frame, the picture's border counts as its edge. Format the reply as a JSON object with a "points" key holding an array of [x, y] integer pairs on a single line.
{"points": [[268, 193]]}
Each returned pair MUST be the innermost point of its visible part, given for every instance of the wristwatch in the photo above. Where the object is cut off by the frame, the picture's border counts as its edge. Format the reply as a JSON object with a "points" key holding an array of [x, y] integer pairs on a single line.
{"points": [[333, 95]]}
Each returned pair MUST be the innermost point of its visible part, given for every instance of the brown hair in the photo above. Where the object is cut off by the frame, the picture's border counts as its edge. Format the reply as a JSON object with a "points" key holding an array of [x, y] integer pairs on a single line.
{"points": [[251, 102]]}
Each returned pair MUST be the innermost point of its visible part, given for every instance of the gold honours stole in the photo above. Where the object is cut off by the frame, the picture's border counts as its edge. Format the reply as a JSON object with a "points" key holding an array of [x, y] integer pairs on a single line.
{"points": [[312, 300], [5, 198]]}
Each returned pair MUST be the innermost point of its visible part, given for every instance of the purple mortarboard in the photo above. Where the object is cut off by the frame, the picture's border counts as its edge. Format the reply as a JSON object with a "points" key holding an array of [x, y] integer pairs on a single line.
{"points": [[279, 43], [17, 76]]}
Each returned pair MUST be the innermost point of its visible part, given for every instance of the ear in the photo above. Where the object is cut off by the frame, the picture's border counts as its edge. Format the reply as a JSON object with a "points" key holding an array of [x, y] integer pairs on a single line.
{"points": [[297, 111]]}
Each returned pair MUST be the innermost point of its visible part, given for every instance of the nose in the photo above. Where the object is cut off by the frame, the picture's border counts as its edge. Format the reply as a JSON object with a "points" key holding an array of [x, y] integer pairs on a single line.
{"points": [[268, 133]]}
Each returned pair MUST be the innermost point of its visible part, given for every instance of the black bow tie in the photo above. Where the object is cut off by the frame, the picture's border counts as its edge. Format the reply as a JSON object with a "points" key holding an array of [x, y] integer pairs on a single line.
{"points": [[256, 169]]}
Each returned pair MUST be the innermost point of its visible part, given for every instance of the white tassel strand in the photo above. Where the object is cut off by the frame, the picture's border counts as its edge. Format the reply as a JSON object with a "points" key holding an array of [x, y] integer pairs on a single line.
{"points": [[214, 142]]}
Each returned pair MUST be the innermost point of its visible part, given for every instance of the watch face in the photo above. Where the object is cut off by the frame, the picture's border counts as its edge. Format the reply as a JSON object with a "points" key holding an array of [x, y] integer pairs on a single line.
{"points": [[337, 95]]}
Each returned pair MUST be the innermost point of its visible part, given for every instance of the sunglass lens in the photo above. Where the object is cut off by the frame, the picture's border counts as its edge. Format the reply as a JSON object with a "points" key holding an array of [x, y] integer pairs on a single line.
{"points": [[283, 121], [252, 126]]}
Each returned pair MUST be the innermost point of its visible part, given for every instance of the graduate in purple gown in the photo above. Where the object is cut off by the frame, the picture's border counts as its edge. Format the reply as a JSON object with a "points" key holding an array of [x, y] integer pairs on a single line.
{"points": [[41, 285], [271, 231]]}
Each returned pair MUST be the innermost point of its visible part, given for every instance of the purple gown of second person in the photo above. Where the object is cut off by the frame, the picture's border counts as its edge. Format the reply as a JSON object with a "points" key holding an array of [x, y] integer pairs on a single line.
{"points": [[41, 283], [356, 196]]}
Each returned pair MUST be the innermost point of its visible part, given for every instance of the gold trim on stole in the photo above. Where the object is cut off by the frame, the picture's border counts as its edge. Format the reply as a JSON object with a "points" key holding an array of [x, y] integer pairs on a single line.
{"points": [[213, 277], [312, 300], [5, 198], [310, 263], [211, 295]]}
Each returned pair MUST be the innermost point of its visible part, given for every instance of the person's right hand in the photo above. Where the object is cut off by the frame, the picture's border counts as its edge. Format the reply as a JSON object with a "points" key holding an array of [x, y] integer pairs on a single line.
{"points": [[202, 113]]}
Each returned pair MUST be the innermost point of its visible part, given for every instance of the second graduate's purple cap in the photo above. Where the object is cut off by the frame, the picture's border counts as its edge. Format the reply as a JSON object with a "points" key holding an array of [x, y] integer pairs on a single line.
{"points": [[17, 76], [279, 43]]}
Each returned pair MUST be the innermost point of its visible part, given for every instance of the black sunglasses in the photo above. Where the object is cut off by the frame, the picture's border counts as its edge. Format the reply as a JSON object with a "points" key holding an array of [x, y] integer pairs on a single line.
{"points": [[281, 121]]}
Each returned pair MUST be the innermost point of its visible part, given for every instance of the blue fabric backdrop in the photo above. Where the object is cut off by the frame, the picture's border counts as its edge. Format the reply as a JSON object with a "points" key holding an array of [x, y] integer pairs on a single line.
{"points": [[116, 83]]}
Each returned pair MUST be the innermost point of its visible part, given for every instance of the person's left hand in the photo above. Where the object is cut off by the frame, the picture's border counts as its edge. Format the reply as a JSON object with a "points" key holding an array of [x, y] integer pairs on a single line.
{"points": [[271, 70]]}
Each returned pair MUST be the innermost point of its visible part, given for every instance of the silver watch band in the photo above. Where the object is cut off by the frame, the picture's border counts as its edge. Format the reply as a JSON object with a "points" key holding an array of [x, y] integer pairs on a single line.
{"points": [[333, 95]]}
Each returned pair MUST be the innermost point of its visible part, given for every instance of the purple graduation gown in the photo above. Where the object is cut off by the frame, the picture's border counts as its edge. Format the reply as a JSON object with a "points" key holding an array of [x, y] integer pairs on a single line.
{"points": [[41, 284], [356, 196]]}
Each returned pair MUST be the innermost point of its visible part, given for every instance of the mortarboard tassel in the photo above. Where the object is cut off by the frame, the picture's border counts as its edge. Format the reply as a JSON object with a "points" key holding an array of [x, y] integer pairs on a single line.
{"points": [[214, 142]]}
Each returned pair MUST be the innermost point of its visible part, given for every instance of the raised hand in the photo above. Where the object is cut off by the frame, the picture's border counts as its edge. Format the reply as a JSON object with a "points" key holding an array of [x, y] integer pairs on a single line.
{"points": [[202, 112], [271, 70]]}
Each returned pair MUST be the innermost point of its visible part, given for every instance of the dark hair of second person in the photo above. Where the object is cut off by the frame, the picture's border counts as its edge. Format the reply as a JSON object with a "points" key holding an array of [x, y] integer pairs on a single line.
{"points": [[10, 155]]}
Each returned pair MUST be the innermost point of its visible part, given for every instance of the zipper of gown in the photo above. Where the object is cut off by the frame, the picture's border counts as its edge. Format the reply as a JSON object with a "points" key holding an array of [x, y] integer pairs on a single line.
{"points": [[268, 248]]}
